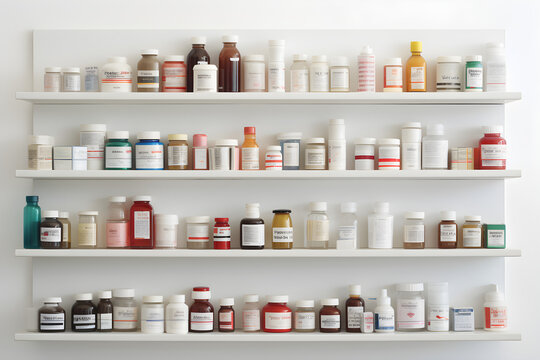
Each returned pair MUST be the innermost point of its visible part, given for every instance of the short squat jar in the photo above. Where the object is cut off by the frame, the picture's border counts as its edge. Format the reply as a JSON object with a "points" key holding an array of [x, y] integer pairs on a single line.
{"points": [[330, 316], [315, 154], [51, 316], [276, 315], [282, 229], [413, 230], [152, 315], [83, 314], [304, 316], [198, 233], [125, 311], [471, 232], [449, 73]]}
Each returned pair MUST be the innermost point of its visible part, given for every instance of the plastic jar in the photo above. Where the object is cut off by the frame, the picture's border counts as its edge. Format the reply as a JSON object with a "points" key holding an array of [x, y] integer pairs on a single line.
{"points": [[226, 322], [118, 151], [389, 157], [141, 225], [251, 314], [254, 73], [410, 310], [364, 154], [413, 230], [366, 70], [152, 315], [276, 315], [174, 77], [493, 149], [317, 226], [282, 230], [50, 230], [474, 73], [290, 148], [177, 315], [205, 78], [222, 234], [52, 317], [393, 75], [471, 232], [226, 155], [273, 159], [495, 311], [166, 226], [83, 314], [197, 232], [299, 73], [304, 316], [411, 146], [177, 152], [319, 74], [116, 75], [448, 230], [449, 73], [52, 81], [201, 312], [87, 230], [435, 148], [340, 75], [71, 79], [330, 316], [315, 154], [40, 152], [125, 312], [93, 137], [149, 151]]}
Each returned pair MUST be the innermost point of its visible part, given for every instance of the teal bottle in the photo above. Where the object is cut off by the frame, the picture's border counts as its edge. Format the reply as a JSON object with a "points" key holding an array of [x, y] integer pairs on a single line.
{"points": [[32, 219]]}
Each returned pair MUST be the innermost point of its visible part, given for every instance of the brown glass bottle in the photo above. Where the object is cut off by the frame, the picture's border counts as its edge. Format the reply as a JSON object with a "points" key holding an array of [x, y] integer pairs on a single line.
{"points": [[104, 312], [51, 316], [330, 316], [252, 229], [226, 315], [197, 55], [229, 66], [83, 314], [448, 230], [201, 312], [51, 231], [354, 307]]}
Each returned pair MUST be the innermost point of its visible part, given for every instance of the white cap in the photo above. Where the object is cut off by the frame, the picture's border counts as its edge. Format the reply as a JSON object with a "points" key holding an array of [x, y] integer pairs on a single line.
{"points": [[117, 59], [319, 58], [355, 290], [149, 52], [473, 58], [410, 287], [169, 219], [229, 38], [50, 213], [493, 129], [118, 135], [107, 294], [411, 132], [198, 40], [366, 50], [276, 42], [54, 69], [181, 298], [318, 206], [414, 215], [435, 129], [305, 303], [393, 61], [383, 298], [336, 129], [365, 141], [448, 215], [201, 295], [83, 297], [300, 57], [447, 59], [340, 61], [381, 207], [252, 211], [278, 299], [41, 140], [198, 219], [152, 299], [226, 302], [251, 298], [148, 135], [227, 142], [348, 207], [389, 141], [93, 127], [120, 199], [494, 295], [330, 302], [473, 218], [318, 140], [273, 148], [52, 300], [63, 214], [71, 70], [142, 198], [254, 57], [174, 58], [123, 293], [89, 213], [290, 136]]}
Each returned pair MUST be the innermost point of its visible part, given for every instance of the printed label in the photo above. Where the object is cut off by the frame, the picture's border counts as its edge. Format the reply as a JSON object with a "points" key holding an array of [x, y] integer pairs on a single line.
{"points": [[330, 322], [448, 76], [418, 78], [300, 80], [87, 234], [354, 316], [250, 158], [253, 234], [496, 317], [413, 233], [493, 155], [52, 83], [384, 321], [177, 319], [472, 237], [149, 157], [291, 154], [72, 82], [463, 319], [304, 320], [318, 230], [277, 321], [152, 319], [380, 233], [141, 225], [282, 235], [251, 320], [174, 79], [336, 157], [448, 233], [273, 162], [389, 157], [410, 314], [148, 79], [254, 80], [222, 234], [438, 318], [202, 321], [495, 238], [117, 234], [435, 154], [166, 235], [118, 157], [51, 322], [124, 318], [339, 79], [347, 232], [116, 81], [198, 233], [200, 159], [393, 77], [319, 81], [316, 158], [226, 320], [495, 76], [50, 235], [65, 233], [177, 155], [366, 73], [204, 81], [104, 321], [84, 322], [276, 77], [95, 143], [474, 78]]}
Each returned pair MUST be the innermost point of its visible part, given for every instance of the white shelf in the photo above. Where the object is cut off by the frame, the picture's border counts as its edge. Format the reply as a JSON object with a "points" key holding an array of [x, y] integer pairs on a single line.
{"points": [[478, 335], [293, 253], [267, 175], [354, 98]]}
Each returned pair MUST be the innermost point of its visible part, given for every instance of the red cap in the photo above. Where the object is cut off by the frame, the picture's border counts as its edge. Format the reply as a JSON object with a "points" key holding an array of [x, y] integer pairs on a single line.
{"points": [[201, 288], [200, 140], [220, 220], [249, 130]]}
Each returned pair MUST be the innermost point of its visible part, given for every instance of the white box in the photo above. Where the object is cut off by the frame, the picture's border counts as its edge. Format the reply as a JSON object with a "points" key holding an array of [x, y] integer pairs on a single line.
{"points": [[462, 319], [366, 322]]}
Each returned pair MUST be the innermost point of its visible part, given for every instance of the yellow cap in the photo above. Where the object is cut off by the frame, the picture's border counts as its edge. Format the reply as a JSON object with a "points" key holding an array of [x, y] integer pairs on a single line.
{"points": [[177, 137], [416, 46]]}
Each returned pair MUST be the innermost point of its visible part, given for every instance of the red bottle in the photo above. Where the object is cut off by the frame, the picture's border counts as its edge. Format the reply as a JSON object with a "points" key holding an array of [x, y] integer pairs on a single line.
{"points": [[141, 223], [201, 312], [493, 149], [222, 234], [226, 315], [276, 315]]}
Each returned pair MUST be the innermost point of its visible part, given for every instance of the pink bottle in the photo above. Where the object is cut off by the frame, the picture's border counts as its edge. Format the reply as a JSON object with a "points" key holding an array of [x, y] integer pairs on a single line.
{"points": [[200, 152]]}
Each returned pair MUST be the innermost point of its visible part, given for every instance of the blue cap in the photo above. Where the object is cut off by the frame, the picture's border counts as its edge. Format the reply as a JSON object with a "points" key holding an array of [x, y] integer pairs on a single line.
{"points": [[32, 198]]}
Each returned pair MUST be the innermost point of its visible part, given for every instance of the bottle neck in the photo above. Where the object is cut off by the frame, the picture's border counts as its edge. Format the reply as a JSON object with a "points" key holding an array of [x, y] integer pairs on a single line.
{"points": [[229, 45], [416, 53], [249, 137], [354, 296]]}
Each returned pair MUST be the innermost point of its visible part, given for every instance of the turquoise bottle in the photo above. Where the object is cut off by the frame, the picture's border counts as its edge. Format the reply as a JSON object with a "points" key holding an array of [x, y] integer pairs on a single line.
{"points": [[32, 219]]}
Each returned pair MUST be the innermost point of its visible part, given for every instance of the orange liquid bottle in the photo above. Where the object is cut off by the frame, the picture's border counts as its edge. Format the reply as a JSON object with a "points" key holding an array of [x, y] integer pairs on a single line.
{"points": [[416, 74], [250, 150]]}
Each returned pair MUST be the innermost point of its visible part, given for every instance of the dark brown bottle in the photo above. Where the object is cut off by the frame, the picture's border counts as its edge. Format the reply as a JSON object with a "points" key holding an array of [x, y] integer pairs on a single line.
{"points": [[197, 55], [252, 229], [354, 307], [330, 316], [226, 315], [448, 230], [50, 231], [104, 312], [229, 65], [51, 316], [201, 312], [83, 314]]}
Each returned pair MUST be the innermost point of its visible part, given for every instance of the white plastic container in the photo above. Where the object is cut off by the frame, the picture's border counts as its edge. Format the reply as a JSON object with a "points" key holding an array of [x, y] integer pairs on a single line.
{"points": [[410, 307], [381, 227], [52, 81], [299, 73], [319, 74], [315, 154], [337, 145], [177, 315], [254, 73], [438, 309], [71, 79], [495, 311], [435, 148], [364, 154], [340, 75], [389, 154], [276, 66], [152, 315], [116, 75], [495, 67], [413, 230], [166, 228], [411, 146], [384, 314], [93, 137], [449, 73], [393, 75], [366, 70], [205, 78], [197, 232], [273, 159], [347, 230]]}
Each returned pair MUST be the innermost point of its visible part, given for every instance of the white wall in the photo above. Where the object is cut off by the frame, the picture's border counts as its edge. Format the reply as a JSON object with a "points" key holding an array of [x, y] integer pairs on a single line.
{"points": [[518, 18]]}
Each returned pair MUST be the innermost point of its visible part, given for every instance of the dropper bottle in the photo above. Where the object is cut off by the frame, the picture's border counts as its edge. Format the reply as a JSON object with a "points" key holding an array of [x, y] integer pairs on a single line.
{"points": [[384, 313]]}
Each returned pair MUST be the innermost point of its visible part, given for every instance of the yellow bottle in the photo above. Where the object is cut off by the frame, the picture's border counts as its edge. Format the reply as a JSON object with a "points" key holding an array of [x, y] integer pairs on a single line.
{"points": [[416, 74]]}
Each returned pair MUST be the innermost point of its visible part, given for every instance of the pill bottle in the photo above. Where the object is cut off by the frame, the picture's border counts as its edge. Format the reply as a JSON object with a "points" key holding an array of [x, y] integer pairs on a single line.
{"points": [[276, 315], [116, 75]]}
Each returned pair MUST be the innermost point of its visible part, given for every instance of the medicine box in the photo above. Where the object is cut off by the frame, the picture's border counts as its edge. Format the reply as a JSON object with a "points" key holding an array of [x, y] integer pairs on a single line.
{"points": [[366, 322], [70, 158], [462, 319], [495, 236]]}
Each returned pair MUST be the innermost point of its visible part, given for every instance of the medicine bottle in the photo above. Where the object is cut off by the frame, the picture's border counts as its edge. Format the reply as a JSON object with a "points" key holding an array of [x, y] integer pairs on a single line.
{"points": [[254, 73], [52, 81], [50, 230], [330, 316], [225, 155], [416, 73], [226, 321], [495, 310], [389, 154], [250, 150], [448, 230], [364, 154], [340, 75], [149, 151], [117, 232], [413, 230], [493, 149], [229, 65], [354, 308], [197, 56], [276, 315], [91, 82], [116, 76], [384, 313], [152, 315], [83, 314], [276, 66], [71, 79], [282, 230], [317, 226], [471, 233], [495, 67], [40, 152], [174, 74], [87, 230], [315, 154], [347, 230], [411, 146], [290, 149], [205, 78], [222, 234], [380, 227], [32, 221], [177, 152], [200, 152], [410, 307], [393, 75], [337, 145], [435, 148], [273, 159], [105, 312], [142, 223], [52, 317], [366, 70], [166, 226], [148, 71], [201, 312], [438, 310], [251, 314], [125, 311], [177, 315], [93, 137], [299, 73], [63, 217], [319, 74], [474, 74], [449, 73], [197, 232], [252, 228], [304, 316], [118, 151]]}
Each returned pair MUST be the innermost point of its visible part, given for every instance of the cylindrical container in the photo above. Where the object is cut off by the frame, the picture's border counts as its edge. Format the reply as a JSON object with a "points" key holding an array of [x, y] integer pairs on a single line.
{"points": [[199, 153], [393, 75], [87, 230], [197, 55], [471, 233], [40, 152], [152, 315], [117, 223], [330, 316], [230, 65], [435, 148], [299, 74], [340, 75], [437, 309], [148, 71], [304, 316], [449, 73], [226, 155], [251, 314], [474, 73], [315, 153], [177, 315], [448, 230], [197, 232], [105, 312], [319, 74], [273, 159], [177, 152], [282, 230], [366, 70], [205, 78], [276, 65], [389, 158], [495, 69], [493, 149], [125, 311], [63, 217], [118, 151], [83, 314], [290, 148], [91, 81], [317, 226], [226, 321], [201, 312], [410, 310], [495, 311], [116, 75], [50, 230], [93, 137], [411, 146], [71, 79], [32, 221], [149, 151], [142, 223], [52, 81], [52, 317], [166, 227], [413, 230], [254, 73], [381, 227], [276, 315], [222, 234], [364, 154], [174, 74], [337, 145]]}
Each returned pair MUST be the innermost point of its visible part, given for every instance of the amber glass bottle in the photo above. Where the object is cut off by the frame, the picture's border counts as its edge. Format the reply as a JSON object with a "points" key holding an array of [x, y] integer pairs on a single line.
{"points": [[354, 307], [330, 316], [197, 55], [448, 230], [229, 65], [201, 312], [416, 69]]}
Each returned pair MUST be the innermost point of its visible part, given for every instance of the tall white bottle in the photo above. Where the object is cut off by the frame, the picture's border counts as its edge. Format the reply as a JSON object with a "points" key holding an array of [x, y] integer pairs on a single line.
{"points": [[337, 145], [366, 70], [276, 66], [435, 148], [381, 227], [177, 315], [495, 67]]}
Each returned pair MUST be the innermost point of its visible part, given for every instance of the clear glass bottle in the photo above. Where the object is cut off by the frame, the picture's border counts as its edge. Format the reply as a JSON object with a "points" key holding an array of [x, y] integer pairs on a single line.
{"points": [[117, 223], [304, 316], [317, 226], [299, 73], [63, 217], [413, 230], [87, 230], [347, 227], [251, 314]]}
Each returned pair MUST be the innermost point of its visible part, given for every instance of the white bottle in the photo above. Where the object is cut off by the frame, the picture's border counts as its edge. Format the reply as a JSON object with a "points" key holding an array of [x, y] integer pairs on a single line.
{"points": [[438, 310], [319, 74], [366, 70], [495, 310], [384, 313], [276, 66], [411, 146], [435, 148], [177, 315], [337, 145], [347, 227], [495, 67], [299, 74], [152, 315], [116, 76], [380, 227], [340, 75]]}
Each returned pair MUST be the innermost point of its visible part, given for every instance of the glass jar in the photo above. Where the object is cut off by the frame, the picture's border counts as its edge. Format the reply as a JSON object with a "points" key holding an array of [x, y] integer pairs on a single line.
{"points": [[177, 152], [142, 223], [63, 217], [413, 230], [410, 310], [340, 75], [71, 79], [319, 74], [317, 227], [330, 316], [125, 312], [471, 233], [40, 152], [226, 321], [104, 312], [83, 314], [118, 151], [149, 151], [31, 222], [197, 55], [315, 154], [52, 317], [364, 154], [87, 234], [117, 223], [254, 73], [197, 232], [166, 230], [201, 312], [251, 314], [276, 315], [354, 309], [304, 316], [152, 315], [222, 234], [290, 149], [52, 80], [448, 230], [273, 159], [230, 65], [282, 230], [389, 154], [50, 230], [449, 73], [174, 74], [299, 73]]}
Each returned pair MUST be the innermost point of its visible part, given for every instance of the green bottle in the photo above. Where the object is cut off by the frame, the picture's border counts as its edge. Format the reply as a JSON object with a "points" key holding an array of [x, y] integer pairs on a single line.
{"points": [[118, 151], [32, 219]]}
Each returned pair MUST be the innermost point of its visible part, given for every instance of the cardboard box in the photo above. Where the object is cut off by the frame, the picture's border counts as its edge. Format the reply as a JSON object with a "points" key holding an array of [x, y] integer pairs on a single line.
{"points": [[495, 236], [462, 319]]}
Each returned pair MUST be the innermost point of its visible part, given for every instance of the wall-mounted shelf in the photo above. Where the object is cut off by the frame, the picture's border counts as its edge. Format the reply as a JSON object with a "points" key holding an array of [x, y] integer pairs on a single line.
{"points": [[353, 98], [267, 175]]}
